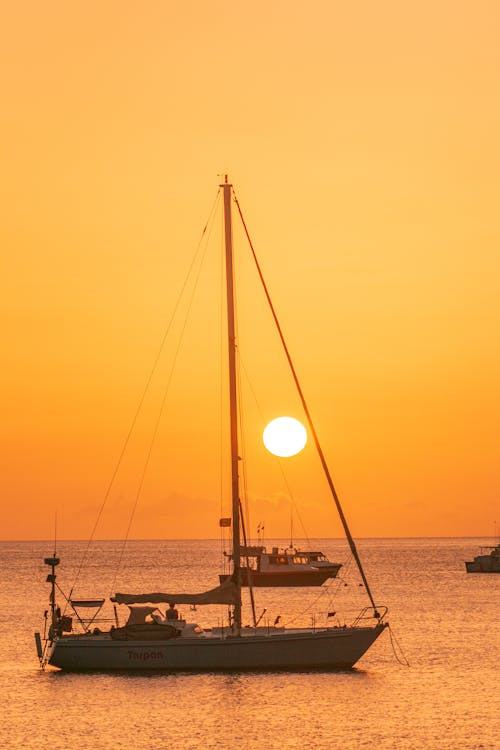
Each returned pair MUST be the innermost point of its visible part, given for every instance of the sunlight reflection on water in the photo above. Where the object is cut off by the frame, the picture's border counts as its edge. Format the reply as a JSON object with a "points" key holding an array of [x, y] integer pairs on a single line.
{"points": [[447, 623]]}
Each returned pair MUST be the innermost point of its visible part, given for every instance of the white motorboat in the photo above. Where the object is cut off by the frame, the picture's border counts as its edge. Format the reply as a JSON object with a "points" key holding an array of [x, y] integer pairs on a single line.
{"points": [[486, 561], [283, 567]]}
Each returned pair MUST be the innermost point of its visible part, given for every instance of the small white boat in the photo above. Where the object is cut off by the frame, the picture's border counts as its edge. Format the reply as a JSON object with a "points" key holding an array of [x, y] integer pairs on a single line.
{"points": [[486, 562], [149, 640], [283, 567]]}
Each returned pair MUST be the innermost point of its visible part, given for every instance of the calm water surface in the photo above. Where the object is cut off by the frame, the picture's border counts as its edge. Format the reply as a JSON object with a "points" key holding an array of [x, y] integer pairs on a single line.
{"points": [[447, 623]]}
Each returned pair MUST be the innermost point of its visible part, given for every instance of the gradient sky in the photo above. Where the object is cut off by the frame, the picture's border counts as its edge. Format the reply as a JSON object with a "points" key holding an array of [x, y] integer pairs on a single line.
{"points": [[362, 139]]}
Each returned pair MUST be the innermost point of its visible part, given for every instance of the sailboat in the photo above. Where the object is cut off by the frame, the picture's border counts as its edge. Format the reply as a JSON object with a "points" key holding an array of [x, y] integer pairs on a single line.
{"points": [[154, 641]]}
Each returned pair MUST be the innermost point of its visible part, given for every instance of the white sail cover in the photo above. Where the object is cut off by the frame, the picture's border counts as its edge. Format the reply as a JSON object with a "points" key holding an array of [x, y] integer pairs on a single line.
{"points": [[226, 593]]}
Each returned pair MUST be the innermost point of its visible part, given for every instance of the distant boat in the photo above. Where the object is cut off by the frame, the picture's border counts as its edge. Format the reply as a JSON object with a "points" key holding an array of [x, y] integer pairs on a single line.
{"points": [[486, 562], [283, 567], [151, 640]]}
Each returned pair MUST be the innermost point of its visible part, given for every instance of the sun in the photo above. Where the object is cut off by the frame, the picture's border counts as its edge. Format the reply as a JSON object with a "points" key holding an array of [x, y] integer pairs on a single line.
{"points": [[285, 436]]}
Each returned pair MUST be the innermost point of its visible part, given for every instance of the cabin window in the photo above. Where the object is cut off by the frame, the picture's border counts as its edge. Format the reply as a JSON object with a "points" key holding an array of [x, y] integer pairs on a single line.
{"points": [[278, 560], [300, 560]]}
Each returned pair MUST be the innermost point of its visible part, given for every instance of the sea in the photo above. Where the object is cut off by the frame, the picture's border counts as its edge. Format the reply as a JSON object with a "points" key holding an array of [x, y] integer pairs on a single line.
{"points": [[431, 681]]}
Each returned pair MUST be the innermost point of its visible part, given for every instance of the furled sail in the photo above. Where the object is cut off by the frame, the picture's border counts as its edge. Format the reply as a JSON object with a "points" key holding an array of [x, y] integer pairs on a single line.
{"points": [[226, 593]]}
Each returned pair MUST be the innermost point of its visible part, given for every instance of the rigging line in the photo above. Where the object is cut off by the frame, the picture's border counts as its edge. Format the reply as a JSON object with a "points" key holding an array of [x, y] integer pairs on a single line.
{"points": [[241, 419], [323, 592], [278, 460], [68, 602], [245, 495], [333, 588], [309, 419], [347, 565], [330, 590], [394, 642], [249, 574], [162, 407], [145, 391], [242, 443]]}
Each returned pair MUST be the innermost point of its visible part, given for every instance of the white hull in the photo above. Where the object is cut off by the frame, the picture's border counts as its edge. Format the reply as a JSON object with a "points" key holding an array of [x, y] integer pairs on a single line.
{"points": [[336, 648]]}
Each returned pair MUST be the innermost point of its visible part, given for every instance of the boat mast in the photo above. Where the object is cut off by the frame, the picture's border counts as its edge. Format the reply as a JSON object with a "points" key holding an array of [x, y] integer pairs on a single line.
{"points": [[233, 406]]}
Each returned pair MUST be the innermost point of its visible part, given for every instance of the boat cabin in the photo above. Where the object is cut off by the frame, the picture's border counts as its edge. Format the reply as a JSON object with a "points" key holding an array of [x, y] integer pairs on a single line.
{"points": [[284, 567]]}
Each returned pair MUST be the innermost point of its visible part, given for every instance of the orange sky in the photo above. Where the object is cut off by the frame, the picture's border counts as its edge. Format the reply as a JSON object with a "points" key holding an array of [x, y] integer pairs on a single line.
{"points": [[362, 139]]}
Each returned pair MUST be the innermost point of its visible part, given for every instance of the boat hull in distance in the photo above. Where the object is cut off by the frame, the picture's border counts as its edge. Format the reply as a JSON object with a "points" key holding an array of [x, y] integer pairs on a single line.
{"points": [[266, 579]]}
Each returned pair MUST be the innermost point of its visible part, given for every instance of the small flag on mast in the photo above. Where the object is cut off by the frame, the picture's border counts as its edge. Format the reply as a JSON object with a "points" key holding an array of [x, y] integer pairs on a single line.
{"points": [[224, 522]]}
